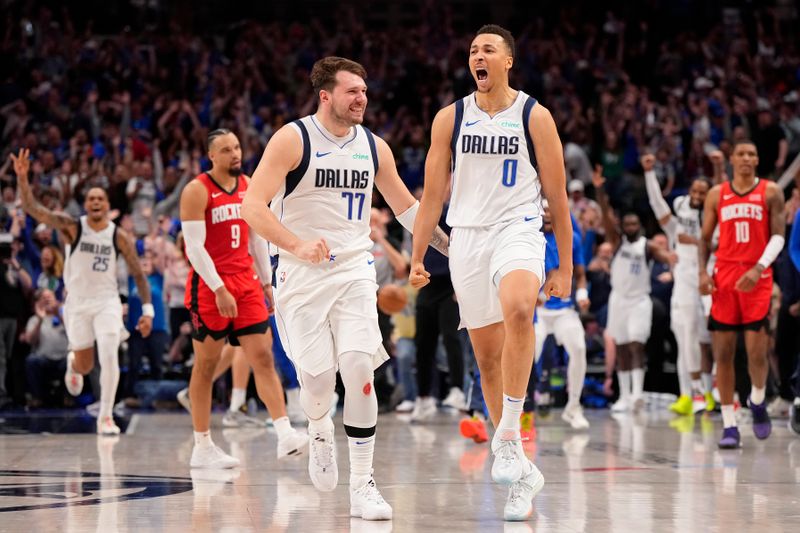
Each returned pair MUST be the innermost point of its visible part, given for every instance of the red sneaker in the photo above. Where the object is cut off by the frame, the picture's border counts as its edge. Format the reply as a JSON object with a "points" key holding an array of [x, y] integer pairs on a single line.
{"points": [[473, 428]]}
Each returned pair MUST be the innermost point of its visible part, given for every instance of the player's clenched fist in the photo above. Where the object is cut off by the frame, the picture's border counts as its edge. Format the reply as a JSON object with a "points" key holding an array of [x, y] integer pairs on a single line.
{"points": [[313, 251], [418, 277], [558, 284], [648, 162]]}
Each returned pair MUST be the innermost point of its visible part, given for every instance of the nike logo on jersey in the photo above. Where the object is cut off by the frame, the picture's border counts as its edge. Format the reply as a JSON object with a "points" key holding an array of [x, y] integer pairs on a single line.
{"points": [[727, 196], [468, 123], [528, 219], [332, 259], [322, 154], [215, 194], [370, 261]]}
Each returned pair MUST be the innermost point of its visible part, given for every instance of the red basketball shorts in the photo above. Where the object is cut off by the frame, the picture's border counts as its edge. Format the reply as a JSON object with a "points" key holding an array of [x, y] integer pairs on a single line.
{"points": [[252, 317], [733, 309]]}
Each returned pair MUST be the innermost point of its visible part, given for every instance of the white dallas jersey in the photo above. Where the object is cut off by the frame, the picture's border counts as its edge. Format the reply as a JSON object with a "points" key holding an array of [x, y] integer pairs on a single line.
{"points": [[90, 271], [329, 195], [494, 165], [688, 220], [630, 274]]}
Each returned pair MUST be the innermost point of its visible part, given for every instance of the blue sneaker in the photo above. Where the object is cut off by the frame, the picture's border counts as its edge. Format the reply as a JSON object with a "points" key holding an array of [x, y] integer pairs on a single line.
{"points": [[730, 439], [762, 425]]}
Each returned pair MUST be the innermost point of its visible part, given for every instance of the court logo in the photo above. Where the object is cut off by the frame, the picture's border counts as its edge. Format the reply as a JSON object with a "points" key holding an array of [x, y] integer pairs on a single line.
{"points": [[26, 490]]}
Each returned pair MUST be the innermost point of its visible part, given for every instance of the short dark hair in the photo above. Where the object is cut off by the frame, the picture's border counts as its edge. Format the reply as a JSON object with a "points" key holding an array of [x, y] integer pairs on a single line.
{"points": [[323, 73], [703, 179], [743, 141], [212, 135], [502, 32]]}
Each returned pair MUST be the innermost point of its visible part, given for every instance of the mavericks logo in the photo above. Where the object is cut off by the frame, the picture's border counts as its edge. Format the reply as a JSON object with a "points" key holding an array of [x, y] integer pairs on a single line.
{"points": [[25, 490]]}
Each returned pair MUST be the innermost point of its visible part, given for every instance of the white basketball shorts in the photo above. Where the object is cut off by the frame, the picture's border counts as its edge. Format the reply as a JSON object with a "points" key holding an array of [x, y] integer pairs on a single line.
{"points": [[325, 310], [480, 257]]}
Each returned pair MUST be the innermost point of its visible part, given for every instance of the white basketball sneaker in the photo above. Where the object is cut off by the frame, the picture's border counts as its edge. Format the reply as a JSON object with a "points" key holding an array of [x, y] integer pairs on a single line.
{"points": [[623, 405], [573, 415], [294, 444], [519, 505], [106, 426], [367, 503], [183, 399], [73, 380], [322, 465], [212, 457], [424, 409], [509, 457]]}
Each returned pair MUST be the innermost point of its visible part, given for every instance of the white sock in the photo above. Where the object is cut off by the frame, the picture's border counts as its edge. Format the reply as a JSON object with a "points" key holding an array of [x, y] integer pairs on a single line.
{"points": [[757, 395], [238, 397], [512, 409], [282, 427], [624, 378], [361, 452], [697, 385], [708, 382], [637, 375], [202, 439], [323, 425], [728, 416]]}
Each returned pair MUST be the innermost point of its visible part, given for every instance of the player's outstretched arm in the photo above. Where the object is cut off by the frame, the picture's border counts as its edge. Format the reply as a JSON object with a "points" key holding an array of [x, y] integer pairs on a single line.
{"points": [[657, 203], [194, 200], [400, 200], [612, 233], [128, 250], [282, 155], [60, 221], [550, 157], [437, 174], [706, 284]]}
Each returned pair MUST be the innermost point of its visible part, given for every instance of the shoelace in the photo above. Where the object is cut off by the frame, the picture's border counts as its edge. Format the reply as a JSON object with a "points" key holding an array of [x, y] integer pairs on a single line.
{"points": [[518, 489], [323, 451], [506, 451], [370, 492]]}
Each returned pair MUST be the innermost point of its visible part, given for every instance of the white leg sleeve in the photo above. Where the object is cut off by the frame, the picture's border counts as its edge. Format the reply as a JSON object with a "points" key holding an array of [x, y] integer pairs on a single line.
{"points": [[360, 402], [107, 354], [681, 329], [574, 341]]}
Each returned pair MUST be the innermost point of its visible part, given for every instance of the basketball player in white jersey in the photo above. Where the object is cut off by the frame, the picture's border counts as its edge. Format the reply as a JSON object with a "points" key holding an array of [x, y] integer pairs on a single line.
{"points": [[687, 316], [93, 311], [502, 149], [318, 172], [630, 309]]}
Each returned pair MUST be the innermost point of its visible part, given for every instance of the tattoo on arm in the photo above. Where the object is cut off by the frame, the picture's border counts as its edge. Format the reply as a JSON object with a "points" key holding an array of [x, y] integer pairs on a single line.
{"points": [[128, 251], [439, 241], [59, 221]]}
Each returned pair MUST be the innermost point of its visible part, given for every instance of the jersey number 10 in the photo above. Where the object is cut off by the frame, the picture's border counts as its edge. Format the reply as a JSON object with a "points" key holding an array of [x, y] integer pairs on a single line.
{"points": [[742, 232]]}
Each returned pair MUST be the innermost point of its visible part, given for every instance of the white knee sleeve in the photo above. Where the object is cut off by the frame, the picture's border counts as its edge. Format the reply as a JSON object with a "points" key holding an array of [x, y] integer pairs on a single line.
{"points": [[316, 393], [108, 355], [360, 402]]}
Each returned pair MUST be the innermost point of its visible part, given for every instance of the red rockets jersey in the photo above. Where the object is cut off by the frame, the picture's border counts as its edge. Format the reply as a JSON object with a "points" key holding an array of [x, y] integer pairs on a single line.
{"points": [[744, 227], [226, 231]]}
